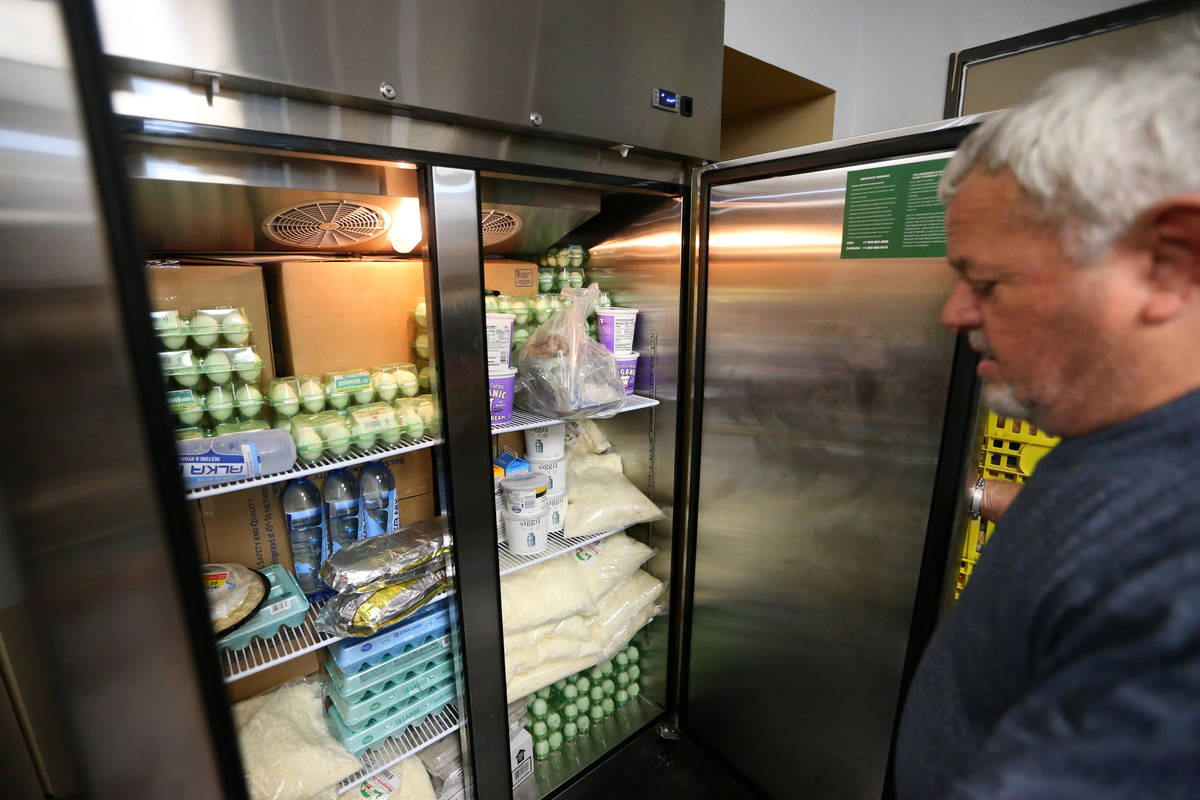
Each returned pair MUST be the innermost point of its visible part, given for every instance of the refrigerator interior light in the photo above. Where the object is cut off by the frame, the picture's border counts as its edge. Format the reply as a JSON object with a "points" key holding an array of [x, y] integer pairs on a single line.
{"points": [[406, 233]]}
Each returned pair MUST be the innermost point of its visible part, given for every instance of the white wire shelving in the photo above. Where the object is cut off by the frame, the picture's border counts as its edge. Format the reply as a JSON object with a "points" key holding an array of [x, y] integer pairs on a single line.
{"points": [[523, 420], [397, 748], [557, 544], [324, 464]]}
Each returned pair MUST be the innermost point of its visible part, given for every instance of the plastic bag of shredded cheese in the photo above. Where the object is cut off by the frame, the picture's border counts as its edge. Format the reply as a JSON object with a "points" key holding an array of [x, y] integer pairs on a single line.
{"points": [[287, 751], [601, 499]]}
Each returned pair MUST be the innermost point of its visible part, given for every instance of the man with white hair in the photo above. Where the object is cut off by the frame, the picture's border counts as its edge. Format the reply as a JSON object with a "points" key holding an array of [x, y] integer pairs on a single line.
{"points": [[1070, 667]]}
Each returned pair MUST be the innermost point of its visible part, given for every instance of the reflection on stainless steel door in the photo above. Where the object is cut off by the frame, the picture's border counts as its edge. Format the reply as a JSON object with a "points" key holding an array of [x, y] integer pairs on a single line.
{"points": [[825, 383]]}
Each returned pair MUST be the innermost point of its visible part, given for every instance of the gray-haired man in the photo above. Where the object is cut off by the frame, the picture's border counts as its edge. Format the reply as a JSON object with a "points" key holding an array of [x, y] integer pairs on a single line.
{"points": [[1070, 667]]}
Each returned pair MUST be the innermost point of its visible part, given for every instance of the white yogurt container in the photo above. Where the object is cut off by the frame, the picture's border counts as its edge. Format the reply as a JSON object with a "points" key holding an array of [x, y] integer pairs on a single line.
{"points": [[499, 339], [526, 536], [545, 441], [556, 510], [615, 328], [525, 494], [553, 469]]}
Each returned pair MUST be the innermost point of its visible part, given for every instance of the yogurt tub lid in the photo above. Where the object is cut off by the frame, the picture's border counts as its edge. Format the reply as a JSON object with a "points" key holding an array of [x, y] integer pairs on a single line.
{"points": [[616, 311], [500, 315], [532, 457], [519, 518], [524, 481], [627, 356], [556, 495], [502, 372]]}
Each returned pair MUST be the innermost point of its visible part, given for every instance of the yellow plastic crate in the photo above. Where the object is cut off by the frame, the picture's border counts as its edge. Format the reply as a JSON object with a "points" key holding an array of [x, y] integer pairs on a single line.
{"points": [[1012, 448], [978, 533], [964, 574]]}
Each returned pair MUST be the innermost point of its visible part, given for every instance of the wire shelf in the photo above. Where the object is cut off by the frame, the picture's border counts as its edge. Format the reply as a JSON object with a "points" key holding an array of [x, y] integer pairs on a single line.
{"points": [[523, 420], [557, 544], [397, 748], [288, 643], [324, 464]]}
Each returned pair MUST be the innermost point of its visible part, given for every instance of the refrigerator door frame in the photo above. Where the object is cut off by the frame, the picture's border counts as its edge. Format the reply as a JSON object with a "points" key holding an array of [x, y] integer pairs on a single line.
{"points": [[938, 561]]}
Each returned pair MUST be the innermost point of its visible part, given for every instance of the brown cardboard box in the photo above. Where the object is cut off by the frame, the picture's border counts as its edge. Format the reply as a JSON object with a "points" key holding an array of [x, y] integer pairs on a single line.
{"points": [[248, 527], [274, 676], [186, 287], [340, 315], [507, 276]]}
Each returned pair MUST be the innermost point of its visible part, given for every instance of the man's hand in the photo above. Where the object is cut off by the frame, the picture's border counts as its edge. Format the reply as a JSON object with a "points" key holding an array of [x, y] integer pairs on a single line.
{"points": [[997, 497]]}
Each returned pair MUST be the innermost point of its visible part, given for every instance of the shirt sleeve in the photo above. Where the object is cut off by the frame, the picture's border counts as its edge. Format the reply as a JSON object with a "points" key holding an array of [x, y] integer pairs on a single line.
{"points": [[1114, 708]]}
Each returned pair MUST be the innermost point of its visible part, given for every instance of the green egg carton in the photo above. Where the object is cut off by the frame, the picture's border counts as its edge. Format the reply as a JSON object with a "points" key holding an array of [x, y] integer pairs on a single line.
{"points": [[393, 692], [358, 738], [285, 605], [352, 685]]}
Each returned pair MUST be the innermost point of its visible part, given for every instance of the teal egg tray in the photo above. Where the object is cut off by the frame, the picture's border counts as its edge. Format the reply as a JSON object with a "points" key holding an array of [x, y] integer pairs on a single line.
{"points": [[430, 623], [393, 692], [358, 738], [371, 677], [284, 605]]}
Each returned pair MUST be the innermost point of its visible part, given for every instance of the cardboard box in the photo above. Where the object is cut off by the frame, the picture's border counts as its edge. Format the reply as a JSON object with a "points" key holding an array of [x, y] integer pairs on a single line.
{"points": [[341, 315], [186, 287], [248, 527], [507, 276], [274, 676]]}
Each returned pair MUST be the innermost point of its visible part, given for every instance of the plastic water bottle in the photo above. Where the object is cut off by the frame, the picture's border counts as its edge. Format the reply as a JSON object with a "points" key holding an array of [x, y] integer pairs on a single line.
{"points": [[378, 491], [234, 457], [341, 510], [306, 531]]}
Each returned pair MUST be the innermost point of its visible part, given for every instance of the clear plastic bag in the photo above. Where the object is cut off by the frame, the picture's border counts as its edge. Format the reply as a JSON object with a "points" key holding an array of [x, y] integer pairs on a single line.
{"points": [[287, 751], [602, 499], [563, 373]]}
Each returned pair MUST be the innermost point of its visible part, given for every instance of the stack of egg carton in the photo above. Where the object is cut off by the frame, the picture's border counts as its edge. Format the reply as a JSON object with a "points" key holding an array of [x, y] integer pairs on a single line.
{"points": [[561, 713], [211, 371], [382, 684]]}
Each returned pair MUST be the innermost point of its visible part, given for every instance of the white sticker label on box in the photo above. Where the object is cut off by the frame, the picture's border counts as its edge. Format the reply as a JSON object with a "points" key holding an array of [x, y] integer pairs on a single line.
{"points": [[280, 607]]}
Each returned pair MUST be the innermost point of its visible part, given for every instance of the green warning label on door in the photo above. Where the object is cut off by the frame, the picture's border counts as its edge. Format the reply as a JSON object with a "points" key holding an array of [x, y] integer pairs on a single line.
{"points": [[893, 212]]}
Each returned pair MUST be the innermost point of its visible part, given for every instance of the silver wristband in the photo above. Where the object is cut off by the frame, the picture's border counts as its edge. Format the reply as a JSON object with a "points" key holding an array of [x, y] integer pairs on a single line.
{"points": [[975, 499]]}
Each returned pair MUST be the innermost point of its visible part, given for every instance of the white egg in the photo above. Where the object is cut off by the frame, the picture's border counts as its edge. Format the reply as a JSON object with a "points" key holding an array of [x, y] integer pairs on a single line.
{"points": [[385, 385], [337, 399], [192, 413], [364, 396], [419, 314], [283, 424], [406, 382], [248, 365], [422, 345], [423, 378], [204, 330], [187, 376], [520, 308], [308, 444], [249, 400], [410, 423], [491, 304], [390, 436], [311, 395], [235, 329], [337, 438], [284, 399], [217, 366], [220, 403]]}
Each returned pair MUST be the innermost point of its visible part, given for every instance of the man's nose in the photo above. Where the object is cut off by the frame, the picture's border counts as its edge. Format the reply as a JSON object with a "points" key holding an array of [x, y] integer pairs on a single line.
{"points": [[960, 311]]}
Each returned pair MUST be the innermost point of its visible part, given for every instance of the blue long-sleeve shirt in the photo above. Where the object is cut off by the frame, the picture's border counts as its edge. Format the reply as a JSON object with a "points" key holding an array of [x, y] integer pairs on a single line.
{"points": [[1070, 667]]}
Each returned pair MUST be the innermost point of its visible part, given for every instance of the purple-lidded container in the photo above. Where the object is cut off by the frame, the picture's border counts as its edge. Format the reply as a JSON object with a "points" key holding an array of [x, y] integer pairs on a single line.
{"points": [[500, 391], [627, 369], [615, 328]]}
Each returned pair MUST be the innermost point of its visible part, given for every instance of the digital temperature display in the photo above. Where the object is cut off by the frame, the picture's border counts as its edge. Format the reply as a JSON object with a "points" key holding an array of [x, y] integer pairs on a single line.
{"points": [[667, 101]]}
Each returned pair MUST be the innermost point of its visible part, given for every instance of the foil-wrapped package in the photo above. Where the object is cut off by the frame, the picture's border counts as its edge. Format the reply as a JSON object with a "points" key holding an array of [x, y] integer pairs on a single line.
{"points": [[363, 613], [387, 559]]}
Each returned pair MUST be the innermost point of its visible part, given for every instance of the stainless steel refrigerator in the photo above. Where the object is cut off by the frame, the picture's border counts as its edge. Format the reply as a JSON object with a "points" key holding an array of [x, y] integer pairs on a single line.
{"points": [[801, 425]]}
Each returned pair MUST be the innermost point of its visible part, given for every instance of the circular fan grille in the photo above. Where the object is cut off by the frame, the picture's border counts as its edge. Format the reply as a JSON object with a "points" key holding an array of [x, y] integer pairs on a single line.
{"points": [[498, 226], [326, 223]]}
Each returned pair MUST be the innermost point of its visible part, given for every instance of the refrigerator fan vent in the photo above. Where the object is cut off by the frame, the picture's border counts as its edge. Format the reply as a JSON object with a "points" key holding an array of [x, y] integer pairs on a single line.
{"points": [[324, 224], [499, 226]]}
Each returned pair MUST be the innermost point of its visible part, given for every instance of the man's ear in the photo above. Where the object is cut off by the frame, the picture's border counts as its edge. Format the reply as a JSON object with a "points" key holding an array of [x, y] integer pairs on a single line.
{"points": [[1170, 232]]}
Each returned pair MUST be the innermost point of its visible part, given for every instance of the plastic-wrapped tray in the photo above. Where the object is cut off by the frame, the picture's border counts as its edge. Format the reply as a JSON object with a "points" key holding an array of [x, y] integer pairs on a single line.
{"points": [[430, 623], [369, 678], [358, 738], [394, 692], [285, 604]]}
